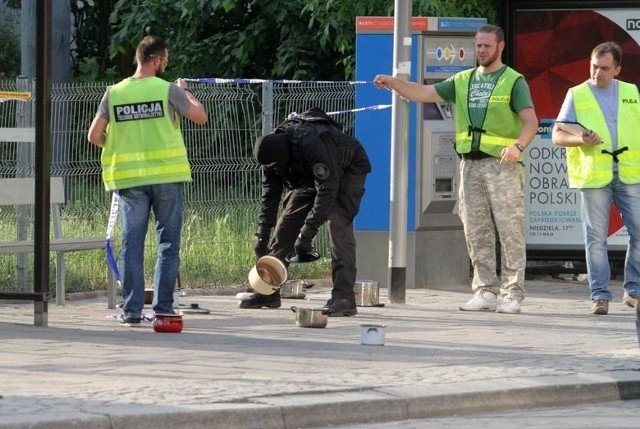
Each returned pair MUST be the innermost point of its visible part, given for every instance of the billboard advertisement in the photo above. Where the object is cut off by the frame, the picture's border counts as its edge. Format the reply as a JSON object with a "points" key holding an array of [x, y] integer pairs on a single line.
{"points": [[550, 43]]}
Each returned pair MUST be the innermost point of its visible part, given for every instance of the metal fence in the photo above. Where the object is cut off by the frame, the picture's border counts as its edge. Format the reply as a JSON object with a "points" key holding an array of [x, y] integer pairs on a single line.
{"points": [[222, 200]]}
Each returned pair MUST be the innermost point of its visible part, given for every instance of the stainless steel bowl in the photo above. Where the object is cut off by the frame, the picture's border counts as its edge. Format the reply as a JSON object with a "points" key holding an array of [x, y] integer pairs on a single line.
{"points": [[310, 317]]}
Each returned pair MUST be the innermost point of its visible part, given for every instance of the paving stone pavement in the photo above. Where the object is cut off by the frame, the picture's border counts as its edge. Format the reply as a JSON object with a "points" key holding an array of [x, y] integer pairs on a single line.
{"points": [[252, 369]]}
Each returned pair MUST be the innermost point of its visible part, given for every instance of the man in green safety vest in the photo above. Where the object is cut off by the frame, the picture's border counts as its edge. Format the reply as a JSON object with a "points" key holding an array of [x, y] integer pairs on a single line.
{"points": [[144, 160], [495, 121], [599, 124]]}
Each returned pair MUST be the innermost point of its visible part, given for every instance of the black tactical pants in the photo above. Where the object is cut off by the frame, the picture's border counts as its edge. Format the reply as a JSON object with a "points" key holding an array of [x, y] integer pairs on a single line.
{"points": [[297, 204]]}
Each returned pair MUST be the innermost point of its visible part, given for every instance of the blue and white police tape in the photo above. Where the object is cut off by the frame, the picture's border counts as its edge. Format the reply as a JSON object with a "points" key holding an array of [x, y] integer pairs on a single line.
{"points": [[113, 215], [216, 80], [293, 115]]}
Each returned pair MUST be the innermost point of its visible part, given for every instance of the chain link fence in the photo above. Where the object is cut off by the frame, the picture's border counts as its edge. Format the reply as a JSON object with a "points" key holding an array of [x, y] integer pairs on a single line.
{"points": [[221, 202]]}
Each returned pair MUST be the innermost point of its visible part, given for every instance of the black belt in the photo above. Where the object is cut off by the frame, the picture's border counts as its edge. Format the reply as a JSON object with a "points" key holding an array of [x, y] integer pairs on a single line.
{"points": [[615, 153], [474, 155]]}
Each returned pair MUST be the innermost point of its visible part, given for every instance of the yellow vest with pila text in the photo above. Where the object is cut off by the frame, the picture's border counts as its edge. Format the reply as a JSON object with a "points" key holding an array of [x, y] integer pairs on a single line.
{"points": [[144, 144], [501, 125], [587, 166]]}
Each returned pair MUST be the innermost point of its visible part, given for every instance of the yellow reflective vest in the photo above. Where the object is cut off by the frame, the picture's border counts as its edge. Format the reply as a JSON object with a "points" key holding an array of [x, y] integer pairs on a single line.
{"points": [[587, 165], [501, 127], [144, 144]]}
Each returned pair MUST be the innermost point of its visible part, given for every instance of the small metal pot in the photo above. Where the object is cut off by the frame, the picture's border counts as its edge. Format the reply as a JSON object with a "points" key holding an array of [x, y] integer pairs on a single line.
{"points": [[372, 335], [296, 289], [367, 293], [148, 296], [310, 317]]}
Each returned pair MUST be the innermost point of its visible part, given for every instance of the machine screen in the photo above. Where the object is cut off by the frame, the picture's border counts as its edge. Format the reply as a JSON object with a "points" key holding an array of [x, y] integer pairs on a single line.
{"points": [[430, 111], [444, 185]]}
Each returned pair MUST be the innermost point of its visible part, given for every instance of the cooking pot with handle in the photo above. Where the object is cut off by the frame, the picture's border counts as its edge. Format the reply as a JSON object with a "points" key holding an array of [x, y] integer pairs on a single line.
{"points": [[267, 275], [310, 317]]}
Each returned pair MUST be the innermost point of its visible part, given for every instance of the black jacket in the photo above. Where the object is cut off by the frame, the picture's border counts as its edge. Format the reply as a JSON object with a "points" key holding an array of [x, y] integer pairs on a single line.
{"points": [[320, 156]]}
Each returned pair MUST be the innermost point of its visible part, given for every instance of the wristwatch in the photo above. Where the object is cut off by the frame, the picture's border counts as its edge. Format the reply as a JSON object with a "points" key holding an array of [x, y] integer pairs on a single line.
{"points": [[519, 146]]}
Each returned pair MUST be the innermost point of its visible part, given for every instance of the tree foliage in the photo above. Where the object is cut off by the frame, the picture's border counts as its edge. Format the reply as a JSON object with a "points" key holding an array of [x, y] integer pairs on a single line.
{"points": [[9, 46], [299, 39], [14, 4], [226, 38], [296, 39], [9, 53]]}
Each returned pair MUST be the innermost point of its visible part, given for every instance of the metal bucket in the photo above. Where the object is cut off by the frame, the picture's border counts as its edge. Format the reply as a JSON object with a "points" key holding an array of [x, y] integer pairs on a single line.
{"points": [[367, 293]]}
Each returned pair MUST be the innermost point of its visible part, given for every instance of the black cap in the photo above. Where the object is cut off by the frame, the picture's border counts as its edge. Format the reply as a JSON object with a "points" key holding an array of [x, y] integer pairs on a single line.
{"points": [[273, 148]]}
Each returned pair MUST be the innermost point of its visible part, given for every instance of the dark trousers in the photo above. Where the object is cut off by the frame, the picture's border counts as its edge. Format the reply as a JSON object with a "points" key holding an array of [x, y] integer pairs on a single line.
{"points": [[296, 206]]}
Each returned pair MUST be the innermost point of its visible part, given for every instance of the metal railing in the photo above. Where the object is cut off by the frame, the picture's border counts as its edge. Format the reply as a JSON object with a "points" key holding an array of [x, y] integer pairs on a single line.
{"points": [[221, 202]]}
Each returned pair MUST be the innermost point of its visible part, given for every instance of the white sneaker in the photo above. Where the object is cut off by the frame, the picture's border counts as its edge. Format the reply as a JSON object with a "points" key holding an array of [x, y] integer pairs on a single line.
{"points": [[481, 301], [509, 305]]}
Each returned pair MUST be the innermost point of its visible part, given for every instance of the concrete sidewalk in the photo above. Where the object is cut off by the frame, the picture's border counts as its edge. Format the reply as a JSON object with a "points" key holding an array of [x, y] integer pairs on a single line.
{"points": [[237, 368]]}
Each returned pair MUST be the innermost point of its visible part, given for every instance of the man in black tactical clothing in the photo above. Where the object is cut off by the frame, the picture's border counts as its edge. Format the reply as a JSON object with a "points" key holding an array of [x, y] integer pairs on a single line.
{"points": [[324, 171]]}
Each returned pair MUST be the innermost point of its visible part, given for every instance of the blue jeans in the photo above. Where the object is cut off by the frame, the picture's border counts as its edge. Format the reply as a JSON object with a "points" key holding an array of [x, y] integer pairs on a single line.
{"points": [[596, 204], [167, 203]]}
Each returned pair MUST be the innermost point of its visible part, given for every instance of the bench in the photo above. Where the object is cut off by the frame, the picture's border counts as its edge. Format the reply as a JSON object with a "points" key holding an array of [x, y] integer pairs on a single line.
{"points": [[21, 191]]}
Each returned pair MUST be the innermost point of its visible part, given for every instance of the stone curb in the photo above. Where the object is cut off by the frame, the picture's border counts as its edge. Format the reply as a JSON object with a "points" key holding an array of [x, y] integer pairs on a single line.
{"points": [[356, 407]]}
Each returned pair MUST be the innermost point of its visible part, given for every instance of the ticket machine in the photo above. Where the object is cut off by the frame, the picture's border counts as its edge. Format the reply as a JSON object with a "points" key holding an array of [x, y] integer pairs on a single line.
{"points": [[436, 255], [438, 226]]}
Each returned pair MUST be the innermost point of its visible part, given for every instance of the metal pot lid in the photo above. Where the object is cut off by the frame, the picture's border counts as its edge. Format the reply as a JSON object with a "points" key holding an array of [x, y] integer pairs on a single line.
{"points": [[194, 308]]}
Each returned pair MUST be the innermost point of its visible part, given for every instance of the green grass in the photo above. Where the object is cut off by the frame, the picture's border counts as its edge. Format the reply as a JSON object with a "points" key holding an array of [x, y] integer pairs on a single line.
{"points": [[217, 250]]}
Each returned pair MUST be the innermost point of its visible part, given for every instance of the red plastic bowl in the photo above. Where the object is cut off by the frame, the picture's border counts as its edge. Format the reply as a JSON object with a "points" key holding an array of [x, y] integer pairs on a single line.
{"points": [[168, 323]]}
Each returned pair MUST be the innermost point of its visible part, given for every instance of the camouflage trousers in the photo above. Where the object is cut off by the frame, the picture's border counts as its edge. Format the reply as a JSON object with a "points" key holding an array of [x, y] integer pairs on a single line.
{"points": [[491, 199]]}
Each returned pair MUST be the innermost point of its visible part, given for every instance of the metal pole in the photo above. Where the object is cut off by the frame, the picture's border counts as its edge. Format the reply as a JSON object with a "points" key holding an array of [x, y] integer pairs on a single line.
{"points": [[43, 142], [638, 323], [267, 108], [399, 155], [24, 168]]}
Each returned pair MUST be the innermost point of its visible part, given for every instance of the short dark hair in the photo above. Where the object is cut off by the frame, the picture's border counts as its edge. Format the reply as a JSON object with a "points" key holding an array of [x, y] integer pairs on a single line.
{"points": [[608, 48], [150, 47], [494, 29]]}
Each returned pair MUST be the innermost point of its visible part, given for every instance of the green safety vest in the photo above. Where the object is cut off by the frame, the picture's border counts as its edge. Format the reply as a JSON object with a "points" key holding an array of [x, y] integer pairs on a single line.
{"points": [[501, 125], [144, 144], [587, 166]]}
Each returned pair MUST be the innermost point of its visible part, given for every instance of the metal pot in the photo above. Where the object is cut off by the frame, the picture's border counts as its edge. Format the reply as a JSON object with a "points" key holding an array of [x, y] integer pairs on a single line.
{"points": [[296, 289], [367, 293], [310, 317], [372, 335], [148, 296], [267, 275]]}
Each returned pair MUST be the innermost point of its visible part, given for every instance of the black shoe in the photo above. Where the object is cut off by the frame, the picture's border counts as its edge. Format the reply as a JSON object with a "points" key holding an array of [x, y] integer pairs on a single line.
{"points": [[260, 301], [339, 307], [130, 321]]}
